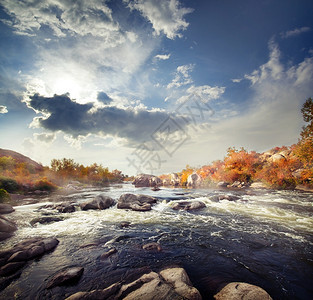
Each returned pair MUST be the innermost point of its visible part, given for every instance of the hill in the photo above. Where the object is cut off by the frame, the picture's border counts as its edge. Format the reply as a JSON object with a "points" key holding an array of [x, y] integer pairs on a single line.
{"points": [[20, 158]]}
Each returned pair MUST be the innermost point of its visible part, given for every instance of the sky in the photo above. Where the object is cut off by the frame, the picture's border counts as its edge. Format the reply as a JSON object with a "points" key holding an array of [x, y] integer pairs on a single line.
{"points": [[149, 86]]}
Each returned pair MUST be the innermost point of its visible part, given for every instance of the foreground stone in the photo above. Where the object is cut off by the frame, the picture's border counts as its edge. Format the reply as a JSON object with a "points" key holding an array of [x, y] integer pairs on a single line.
{"points": [[15, 258], [66, 276], [6, 208], [136, 202], [100, 202], [188, 205], [242, 291], [171, 283], [7, 228]]}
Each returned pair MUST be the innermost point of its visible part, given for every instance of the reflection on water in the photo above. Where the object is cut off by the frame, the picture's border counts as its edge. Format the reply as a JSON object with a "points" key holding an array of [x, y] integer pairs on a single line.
{"points": [[263, 238]]}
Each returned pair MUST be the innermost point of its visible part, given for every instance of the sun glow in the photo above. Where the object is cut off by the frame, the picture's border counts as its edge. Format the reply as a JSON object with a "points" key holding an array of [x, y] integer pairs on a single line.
{"points": [[65, 85]]}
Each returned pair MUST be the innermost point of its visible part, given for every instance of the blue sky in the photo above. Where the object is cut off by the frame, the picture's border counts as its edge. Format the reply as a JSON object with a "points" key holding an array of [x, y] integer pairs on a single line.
{"points": [[152, 85]]}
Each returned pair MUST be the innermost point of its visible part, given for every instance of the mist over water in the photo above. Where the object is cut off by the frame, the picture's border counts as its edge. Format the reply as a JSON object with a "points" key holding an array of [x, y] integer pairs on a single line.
{"points": [[263, 238]]}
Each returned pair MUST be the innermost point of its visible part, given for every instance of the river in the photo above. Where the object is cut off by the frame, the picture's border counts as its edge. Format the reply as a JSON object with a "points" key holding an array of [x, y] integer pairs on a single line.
{"points": [[263, 238]]}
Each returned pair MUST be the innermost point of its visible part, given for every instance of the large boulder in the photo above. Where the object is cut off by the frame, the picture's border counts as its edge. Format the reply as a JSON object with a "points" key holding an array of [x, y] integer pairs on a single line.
{"points": [[194, 180], [136, 202], [175, 179], [6, 208], [7, 228], [242, 291], [146, 180], [66, 276], [188, 205], [171, 283], [100, 202]]}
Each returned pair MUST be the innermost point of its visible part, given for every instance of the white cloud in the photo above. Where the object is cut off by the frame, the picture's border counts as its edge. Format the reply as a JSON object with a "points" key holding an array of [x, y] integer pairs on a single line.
{"points": [[236, 80], [166, 16], [3, 109], [182, 76], [295, 32], [47, 138], [64, 18], [163, 56], [273, 68]]}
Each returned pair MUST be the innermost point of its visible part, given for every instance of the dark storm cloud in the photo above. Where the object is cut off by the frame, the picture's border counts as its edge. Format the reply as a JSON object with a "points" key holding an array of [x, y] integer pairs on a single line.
{"points": [[61, 113], [104, 98]]}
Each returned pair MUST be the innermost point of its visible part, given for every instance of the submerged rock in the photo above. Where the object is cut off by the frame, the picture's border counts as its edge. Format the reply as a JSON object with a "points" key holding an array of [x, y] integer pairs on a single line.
{"points": [[152, 247], [7, 228], [46, 220], [242, 291], [100, 202], [15, 258], [171, 283], [188, 205], [6, 208], [108, 253], [66, 276], [136, 202], [218, 198]]}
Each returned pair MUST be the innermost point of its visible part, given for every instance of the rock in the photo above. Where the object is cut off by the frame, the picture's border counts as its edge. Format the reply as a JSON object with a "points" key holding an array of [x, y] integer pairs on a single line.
{"points": [[242, 291], [218, 198], [152, 247], [16, 257], [178, 278], [108, 253], [125, 224], [188, 205], [136, 202], [146, 180], [222, 184], [107, 293], [172, 283], [46, 220], [276, 158], [66, 276], [166, 182], [5, 208], [155, 189], [194, 180], [175, 179], [7, 228], [65, 207], [11, 268], [258, 185], [237, 184], [100, 202]]}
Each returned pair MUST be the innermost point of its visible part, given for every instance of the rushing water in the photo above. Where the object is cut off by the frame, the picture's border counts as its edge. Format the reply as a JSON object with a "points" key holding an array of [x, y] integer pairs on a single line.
{"points": [[263, 238]]}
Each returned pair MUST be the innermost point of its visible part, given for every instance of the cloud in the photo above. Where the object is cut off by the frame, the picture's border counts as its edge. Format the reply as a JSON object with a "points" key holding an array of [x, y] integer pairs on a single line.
{"points": [[236, 80], [182, 76], [3, 109], [166, 16], [64, 18], [104, 98], [60, 113], [47, 138], [273, 68], [295, 32], [162, 56]]}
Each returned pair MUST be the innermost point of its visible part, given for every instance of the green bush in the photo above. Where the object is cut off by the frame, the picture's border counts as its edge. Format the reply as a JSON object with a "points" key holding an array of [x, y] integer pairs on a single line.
{"points": [[4, 196], [9, 184]]}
